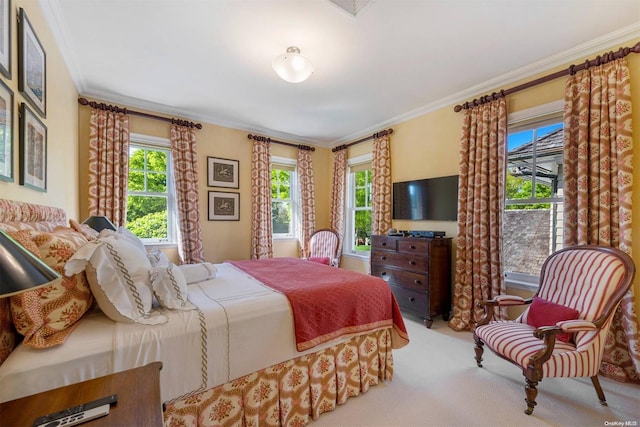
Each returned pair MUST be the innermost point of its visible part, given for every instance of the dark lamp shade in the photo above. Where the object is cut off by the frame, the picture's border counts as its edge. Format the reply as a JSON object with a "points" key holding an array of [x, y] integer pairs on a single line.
{"points": [[20, 270], [99, 223]]}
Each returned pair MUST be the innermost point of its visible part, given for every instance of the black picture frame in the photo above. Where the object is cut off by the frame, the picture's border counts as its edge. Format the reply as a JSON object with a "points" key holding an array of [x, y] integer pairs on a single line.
{"points": [[5, 46], [32, 60], [33, 150], [224, 206], [223, 172], [6, 136]]}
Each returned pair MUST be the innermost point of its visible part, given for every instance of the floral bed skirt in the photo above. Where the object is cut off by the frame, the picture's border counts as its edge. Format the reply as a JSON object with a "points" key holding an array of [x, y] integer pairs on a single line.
{"points": [[293, 392]]}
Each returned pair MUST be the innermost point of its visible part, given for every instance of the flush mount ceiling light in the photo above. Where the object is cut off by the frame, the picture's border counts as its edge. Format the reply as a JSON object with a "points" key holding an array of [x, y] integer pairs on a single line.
{"points": [[292, 66]]}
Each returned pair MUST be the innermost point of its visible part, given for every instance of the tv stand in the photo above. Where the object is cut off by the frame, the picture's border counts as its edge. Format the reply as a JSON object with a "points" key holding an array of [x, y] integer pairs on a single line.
{"points": [[418, 270]]}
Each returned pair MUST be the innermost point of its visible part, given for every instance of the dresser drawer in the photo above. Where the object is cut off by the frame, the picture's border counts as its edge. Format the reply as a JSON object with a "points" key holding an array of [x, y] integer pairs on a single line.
{"points": [[406, 279], [416, 263], [414, 246], [416, 302], [384, 243]]}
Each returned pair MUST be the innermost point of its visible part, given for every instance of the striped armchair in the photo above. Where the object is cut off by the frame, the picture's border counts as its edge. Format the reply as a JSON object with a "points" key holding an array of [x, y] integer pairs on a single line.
{"points": [[323, 247], [563, 330]]}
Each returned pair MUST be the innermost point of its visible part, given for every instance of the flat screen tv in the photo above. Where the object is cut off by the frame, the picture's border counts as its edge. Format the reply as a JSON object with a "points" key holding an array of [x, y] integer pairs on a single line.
{"points": [[433, 199]]}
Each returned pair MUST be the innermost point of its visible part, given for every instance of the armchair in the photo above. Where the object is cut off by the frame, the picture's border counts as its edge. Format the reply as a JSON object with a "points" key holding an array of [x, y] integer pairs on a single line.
{"points": [[323, 247], [563, 331]]}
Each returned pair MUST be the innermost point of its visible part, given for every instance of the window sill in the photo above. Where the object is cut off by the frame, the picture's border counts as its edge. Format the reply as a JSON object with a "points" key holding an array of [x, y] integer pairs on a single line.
{"points": [[357, 256], [522, 285], [284, 238], [162, 245]]}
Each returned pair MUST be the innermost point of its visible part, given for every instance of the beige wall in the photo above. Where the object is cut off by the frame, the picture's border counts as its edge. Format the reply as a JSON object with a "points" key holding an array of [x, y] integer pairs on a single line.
{"points": [[61, 121]]}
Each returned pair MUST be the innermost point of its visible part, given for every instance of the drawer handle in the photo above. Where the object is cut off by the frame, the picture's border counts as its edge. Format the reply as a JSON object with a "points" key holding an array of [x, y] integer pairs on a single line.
{"points": [[384, 273], [412, 263], [417, 282], [412, 299], [412, 247], [384, 243], [383, 257]]}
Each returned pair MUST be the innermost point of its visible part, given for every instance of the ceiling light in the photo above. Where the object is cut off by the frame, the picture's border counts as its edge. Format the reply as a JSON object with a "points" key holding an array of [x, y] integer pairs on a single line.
{"points": [[292, 66]]}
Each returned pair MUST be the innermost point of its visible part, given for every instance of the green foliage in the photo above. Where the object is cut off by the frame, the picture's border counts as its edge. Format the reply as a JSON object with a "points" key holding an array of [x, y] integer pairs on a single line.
{"points": [[281, 217], [520, 188], [150, 226], [149, 163]]}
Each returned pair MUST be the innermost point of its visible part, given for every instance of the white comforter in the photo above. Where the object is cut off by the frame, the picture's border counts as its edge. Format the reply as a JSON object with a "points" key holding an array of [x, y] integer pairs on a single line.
{"points": [[241, 326]]}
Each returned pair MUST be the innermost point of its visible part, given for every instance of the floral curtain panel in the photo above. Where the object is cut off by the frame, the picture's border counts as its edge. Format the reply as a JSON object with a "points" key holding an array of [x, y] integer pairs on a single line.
{"points": [[381, 186], [261, 227], [479, 270], [185, 166], [307, 199], [108, 165], [338, 194], [598, 169]]}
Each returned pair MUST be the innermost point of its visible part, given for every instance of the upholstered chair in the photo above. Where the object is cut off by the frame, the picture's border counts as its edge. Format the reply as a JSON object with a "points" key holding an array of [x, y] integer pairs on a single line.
{"points": [[323, 247], [562, 332]]}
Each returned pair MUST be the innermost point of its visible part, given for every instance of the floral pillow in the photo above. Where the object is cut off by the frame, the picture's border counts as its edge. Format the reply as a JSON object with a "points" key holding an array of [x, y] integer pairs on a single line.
{"points": [[46, 316], [8, 338]]}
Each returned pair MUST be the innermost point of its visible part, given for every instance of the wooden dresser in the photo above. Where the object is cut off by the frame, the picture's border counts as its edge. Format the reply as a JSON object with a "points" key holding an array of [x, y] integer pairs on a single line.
{"points": [[418, 271]]}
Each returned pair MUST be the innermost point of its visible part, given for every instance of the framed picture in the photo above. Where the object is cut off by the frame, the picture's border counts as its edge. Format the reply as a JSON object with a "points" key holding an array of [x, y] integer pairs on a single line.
{"points": [[224, 206], [222, 172], [6, 133], [33, 150], [5, 38], [32, 75]]}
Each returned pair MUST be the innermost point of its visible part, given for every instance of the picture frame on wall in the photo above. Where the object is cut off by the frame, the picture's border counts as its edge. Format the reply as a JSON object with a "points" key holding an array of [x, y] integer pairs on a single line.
{"points": [[6, 133], [5, 42], [222, 172], [224, 206], [32, 60], [33, 150]]}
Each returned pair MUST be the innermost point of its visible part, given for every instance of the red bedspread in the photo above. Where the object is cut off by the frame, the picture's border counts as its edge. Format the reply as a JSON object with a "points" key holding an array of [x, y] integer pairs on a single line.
{"points": [[329, 302]]}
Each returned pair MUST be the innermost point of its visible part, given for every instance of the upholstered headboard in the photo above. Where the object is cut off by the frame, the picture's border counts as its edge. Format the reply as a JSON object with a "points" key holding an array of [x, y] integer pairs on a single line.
{"points": [[22, 215]]}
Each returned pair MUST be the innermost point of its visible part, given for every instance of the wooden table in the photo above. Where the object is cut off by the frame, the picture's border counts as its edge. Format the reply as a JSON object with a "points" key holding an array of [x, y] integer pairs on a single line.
{"points": [[139, 402]]}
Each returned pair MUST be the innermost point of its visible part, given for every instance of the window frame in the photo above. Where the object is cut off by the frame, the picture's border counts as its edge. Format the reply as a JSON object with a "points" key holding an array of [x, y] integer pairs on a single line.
{"points": [[159, 144], [292, 164], [534, 117], [350, 208]]}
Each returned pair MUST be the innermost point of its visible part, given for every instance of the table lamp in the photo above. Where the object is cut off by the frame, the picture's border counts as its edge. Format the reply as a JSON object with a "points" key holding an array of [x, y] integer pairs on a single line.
{"points": [[20, 270], [99, 223]]}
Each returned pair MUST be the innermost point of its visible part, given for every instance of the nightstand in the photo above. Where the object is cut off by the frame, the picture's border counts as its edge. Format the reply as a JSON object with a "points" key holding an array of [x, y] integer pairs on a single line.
{"points": [[139, 402]]}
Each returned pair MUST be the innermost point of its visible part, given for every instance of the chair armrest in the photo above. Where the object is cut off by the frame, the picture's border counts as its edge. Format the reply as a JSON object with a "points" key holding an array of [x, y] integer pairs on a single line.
{"points": [[499, 301], [571, 326]]}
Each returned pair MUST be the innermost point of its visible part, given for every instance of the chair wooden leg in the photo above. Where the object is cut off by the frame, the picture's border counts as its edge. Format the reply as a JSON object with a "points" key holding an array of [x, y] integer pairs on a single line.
{"points": [[531, 392], [596, 384], [479, 349]]}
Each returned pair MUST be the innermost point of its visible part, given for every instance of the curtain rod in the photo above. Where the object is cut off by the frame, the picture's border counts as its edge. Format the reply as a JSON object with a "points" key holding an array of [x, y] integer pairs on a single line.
{"points": [[275, 141], [599, 60], [375, 135], [116, 109]]}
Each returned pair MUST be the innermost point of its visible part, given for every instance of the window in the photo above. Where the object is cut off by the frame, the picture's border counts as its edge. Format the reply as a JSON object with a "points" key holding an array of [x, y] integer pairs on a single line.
{"points": [[150, 195], [358, 218], [283, 197], [534, 196]]}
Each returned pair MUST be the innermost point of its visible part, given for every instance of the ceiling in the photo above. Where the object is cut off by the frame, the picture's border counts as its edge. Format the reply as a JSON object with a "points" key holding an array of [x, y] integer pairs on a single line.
{"points": [[210, 61]]}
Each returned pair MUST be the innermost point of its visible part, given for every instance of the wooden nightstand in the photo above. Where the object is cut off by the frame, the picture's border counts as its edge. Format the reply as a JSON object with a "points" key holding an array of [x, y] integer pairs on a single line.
{"points": [[139, 402]]}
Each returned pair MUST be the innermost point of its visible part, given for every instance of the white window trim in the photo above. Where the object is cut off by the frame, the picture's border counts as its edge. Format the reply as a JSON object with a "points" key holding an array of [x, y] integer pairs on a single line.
{"points": [[349, 232], [294, 194], [149, 141], [515, 120]]}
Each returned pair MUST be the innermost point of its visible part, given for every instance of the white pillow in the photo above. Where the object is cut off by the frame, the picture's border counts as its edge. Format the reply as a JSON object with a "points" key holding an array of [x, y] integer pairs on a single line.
{"points": [[170, 287], [118, 275], [196, 273], [157, 258]]}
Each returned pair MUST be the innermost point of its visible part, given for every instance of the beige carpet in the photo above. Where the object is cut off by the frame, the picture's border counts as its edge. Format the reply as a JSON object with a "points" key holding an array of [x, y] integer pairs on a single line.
{"points": [[436, 383]]}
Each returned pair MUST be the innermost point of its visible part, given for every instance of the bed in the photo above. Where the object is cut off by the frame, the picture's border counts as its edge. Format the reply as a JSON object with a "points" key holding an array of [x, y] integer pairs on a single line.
{"points": [[252, 348]]}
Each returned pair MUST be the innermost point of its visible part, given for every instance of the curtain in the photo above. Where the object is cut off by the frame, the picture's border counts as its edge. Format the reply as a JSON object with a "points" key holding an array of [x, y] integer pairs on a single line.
{"points": [[261, 227], [381, 186], [185, 167], [338, 194], [307, 199], [479, 269], [598, 158], [108, 165]]}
